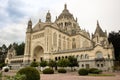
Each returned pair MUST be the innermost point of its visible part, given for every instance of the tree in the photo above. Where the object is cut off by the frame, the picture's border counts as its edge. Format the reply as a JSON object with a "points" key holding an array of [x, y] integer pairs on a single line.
{"points": [[19, 48], [9, 46], [63, 63], [52, 64], [4, 48], [43, 63], [114, 38], [34, 64], [3, 53], [72, 62]]}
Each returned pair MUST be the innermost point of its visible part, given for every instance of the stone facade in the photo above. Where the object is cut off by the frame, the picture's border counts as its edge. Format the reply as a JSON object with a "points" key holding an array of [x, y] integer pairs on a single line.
{"points": [[63, 38]]}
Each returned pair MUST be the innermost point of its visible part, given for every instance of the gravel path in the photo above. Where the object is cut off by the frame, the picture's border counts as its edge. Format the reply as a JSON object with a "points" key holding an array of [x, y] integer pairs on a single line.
{"points": [[70, 76]]}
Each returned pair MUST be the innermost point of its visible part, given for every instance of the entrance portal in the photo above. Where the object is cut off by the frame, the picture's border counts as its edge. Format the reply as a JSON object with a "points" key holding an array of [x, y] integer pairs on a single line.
{"points": [[38, 54]]}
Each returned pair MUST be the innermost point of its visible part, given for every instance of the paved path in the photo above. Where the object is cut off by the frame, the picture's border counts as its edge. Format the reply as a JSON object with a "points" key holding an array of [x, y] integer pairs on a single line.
{"points": [[71, 76]]}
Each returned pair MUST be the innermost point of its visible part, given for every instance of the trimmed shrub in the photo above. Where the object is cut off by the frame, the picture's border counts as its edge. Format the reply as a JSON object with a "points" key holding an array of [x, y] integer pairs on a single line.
{"points": [[6, 69], [83, 72], [34, 64], [62, 71], [48, 71], [95, 71], [30, 72], [43, 63], [91, 70]]}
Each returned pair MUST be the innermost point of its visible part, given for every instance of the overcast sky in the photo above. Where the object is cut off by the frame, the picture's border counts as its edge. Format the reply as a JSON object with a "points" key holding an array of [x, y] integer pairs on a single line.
{"points": [[14, 15]]}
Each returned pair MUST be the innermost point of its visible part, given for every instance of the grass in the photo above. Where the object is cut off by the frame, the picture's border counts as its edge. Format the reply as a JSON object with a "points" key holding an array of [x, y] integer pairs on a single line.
{"points": [[101, 75]]}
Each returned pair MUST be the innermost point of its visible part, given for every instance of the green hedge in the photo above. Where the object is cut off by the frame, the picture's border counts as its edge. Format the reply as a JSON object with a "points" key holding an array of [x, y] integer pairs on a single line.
{"points": [[91, 70], [83, 71], [95, 71], [30, 72], [62, 71], [48, 71]]}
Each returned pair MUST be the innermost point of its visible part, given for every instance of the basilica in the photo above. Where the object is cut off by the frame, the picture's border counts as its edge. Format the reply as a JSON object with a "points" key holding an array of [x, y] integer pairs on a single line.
{"points": [[61, 39]]}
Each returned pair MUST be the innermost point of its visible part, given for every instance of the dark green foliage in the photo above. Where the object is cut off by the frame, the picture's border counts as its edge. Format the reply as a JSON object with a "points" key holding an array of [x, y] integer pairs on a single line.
{"points": [[34, 64], [83, 72], [15, 77], [72, 61], [91, 70], [19, 48], [95, 71], [52, 63], [114, 38], [63, 63], [0, 75], [48, 71], [9, 46], [4, 48], [62, 70], [3, 53], [2, 65], [43, 63], [30, 73], [6, 69]]}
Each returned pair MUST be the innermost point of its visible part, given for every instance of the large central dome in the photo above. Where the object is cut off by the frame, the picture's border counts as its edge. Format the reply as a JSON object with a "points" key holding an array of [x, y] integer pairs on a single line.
{"points": [[65, 14]]}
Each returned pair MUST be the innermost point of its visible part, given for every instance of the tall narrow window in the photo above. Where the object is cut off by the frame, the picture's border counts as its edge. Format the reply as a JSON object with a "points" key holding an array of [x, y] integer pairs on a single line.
{"points": [[55, 39], [68, 43], [73, 43], [59, 44]]}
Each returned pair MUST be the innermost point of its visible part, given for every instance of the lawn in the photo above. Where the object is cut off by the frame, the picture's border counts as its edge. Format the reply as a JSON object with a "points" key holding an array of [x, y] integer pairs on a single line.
{"points": [[101, 74]]}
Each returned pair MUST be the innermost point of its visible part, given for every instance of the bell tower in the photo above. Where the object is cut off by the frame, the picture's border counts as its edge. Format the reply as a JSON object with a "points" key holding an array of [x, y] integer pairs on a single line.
{"points": [[27, 51]]}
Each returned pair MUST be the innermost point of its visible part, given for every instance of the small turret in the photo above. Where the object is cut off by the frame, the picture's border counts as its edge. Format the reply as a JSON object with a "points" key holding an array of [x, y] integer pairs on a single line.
{"points": [[48, 17], [29, 28]]}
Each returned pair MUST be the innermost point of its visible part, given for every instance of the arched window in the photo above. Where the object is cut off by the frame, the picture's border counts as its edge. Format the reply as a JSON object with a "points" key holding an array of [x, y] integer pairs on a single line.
{"points": [[82, 65], [86, 56], [66, 57], [99, 55], [77, 56], [81, 57], [108, 56], [56, 59]]}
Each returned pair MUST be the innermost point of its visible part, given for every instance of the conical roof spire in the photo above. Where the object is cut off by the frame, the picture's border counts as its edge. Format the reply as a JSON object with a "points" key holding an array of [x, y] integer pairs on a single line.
{"points": [[99, 30], [97, 23], [30, 22]]}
